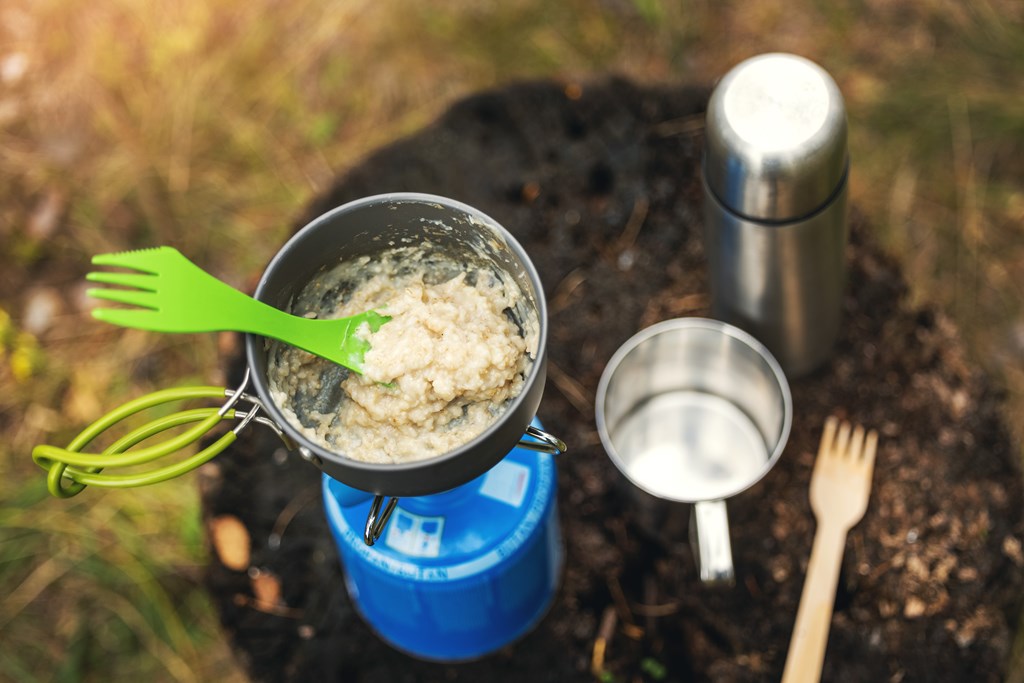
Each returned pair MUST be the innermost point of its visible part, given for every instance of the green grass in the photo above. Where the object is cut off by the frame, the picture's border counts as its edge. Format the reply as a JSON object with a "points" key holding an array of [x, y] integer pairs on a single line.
{"points": [[96, 588], [208, 125]]}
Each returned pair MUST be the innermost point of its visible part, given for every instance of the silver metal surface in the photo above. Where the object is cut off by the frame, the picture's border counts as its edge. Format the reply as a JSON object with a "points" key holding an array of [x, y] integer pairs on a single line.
{"points": [[234, 396], [693, 410], [776, 138], [782, 283], [542, 442], [775, 186], [377, 520], [709, 525]]}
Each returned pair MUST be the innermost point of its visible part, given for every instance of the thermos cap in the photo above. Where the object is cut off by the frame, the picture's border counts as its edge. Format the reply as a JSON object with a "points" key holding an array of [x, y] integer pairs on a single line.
{"points": [[776, 138]]}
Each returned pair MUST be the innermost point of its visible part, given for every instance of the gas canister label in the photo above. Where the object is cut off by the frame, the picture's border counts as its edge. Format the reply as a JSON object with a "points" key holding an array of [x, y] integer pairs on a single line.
{"points": [[414, 535], [506, 482]]}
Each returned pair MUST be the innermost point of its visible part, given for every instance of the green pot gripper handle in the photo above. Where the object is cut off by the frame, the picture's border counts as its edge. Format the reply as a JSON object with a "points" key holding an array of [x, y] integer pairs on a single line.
{"points": [[71, 469]]}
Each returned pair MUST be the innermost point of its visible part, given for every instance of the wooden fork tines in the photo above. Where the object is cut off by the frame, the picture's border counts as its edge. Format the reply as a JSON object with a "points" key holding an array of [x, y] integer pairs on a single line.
{"points": [[840, 488]]}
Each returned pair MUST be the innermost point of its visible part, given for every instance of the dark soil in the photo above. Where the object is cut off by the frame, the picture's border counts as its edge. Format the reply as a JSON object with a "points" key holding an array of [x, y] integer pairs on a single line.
{"points": [[601, 185]]}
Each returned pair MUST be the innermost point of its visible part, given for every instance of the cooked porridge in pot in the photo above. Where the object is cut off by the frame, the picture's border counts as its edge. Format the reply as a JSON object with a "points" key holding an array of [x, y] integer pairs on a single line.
{"points": [[459, 346]]}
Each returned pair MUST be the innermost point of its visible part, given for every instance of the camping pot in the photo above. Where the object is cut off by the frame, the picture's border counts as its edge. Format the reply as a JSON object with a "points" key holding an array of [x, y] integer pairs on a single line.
{"points": [[366, 228]]}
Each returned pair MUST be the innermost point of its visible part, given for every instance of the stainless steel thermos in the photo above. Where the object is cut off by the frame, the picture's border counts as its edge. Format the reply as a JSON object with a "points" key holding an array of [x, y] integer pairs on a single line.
{"points": [[775, 181]]}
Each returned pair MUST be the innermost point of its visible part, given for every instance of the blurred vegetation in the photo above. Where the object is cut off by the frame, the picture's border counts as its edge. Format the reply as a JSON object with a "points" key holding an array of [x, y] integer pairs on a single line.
{"points": [[208, 125]]}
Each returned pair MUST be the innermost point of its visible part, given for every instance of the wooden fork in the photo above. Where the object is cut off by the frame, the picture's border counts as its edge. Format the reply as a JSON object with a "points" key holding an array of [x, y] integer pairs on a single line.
{"points": [[840, 487]]}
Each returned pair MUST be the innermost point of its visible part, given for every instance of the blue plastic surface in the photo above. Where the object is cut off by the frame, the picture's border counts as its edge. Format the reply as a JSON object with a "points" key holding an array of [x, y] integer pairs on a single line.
{"points": [[460, 574]]}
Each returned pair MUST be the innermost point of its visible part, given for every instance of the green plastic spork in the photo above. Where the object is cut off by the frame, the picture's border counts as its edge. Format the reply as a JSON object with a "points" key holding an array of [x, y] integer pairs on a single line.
{"points": [[171, 294]]}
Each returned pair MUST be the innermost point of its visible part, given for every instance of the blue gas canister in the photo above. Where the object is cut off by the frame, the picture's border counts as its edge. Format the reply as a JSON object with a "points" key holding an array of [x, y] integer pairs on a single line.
{"points": [[459, 574]]}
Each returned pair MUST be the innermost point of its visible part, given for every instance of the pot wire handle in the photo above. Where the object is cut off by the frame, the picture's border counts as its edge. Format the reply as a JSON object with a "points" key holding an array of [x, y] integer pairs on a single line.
{"points": [[542, 442], [376, 520], [539, 441], [70, 469]]}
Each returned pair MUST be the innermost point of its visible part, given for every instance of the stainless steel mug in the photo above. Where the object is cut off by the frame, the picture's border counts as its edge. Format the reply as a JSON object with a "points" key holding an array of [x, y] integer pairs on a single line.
{"points": [[696, 411], [775, 180]]}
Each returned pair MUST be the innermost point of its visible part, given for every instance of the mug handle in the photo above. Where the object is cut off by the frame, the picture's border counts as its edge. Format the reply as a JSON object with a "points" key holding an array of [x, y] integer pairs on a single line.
{"points": [[709, 534]]}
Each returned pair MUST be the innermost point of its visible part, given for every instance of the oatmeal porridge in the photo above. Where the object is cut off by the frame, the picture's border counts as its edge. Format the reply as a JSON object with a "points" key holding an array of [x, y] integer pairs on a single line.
{"points": [[456, 352]]}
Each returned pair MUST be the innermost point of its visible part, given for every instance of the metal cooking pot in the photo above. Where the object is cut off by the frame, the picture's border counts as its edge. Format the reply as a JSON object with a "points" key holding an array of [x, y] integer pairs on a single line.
{"points": [[367, 227]]}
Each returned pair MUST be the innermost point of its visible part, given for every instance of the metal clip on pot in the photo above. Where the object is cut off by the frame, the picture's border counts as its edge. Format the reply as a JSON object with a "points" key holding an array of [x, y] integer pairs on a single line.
{"points": [[539, 441]]}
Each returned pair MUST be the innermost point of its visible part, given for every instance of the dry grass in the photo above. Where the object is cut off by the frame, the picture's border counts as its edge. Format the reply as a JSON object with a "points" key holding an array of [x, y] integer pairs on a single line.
{"points": [[207, 125]]}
